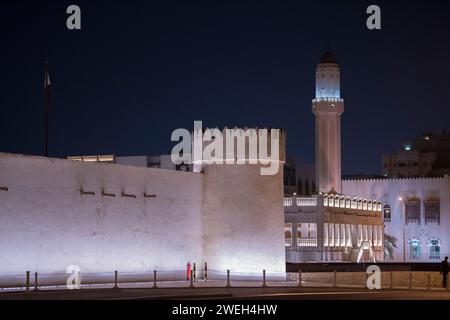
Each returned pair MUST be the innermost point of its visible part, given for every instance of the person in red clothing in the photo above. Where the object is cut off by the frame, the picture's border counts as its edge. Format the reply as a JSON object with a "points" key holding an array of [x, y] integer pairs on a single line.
{"points": [[188, 271]]}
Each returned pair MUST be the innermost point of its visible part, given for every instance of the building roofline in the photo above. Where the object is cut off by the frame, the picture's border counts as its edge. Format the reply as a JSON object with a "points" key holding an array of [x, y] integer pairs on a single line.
{"points": [[397, 179]]}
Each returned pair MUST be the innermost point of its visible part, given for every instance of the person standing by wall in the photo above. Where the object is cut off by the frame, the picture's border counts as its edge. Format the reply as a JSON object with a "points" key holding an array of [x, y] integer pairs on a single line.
{"points": [[444, 272]]}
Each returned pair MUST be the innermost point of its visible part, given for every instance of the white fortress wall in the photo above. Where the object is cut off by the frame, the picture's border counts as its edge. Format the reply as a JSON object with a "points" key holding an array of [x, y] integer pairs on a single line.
{"points": [[47, 224], [243, 213], [243, 220]]}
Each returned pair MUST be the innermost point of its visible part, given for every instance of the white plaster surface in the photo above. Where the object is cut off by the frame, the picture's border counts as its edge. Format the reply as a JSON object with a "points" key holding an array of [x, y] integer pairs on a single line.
{"points": [[46, 224], [244, 220], [229, 216]]}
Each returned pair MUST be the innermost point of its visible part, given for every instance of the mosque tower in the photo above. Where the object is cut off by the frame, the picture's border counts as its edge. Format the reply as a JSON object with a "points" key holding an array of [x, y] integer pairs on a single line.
{"points": [[328, 107]]}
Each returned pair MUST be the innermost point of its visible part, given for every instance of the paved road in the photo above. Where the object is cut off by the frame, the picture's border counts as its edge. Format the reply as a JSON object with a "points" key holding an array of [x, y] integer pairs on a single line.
{"points": [[274, 293]]}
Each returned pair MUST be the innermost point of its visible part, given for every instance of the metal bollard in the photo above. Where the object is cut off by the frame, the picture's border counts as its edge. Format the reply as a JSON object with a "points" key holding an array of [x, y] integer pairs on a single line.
{"points": [[335, 279], [206, 272], [264, 279], [299, 278], [228, 279], [27, 285], [391, 285], [36, 282], [192, 279], [154, 280], [194, 275], [410, 281], [116, 276], [429, 282]]}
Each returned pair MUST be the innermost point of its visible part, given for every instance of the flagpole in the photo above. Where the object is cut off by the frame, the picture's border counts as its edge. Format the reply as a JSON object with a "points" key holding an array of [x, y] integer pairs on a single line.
{"points": [[46, 107], [46, 132]]}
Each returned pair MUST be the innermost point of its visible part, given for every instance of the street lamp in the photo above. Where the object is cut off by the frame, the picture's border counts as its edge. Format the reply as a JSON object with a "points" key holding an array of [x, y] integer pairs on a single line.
{"points": [[403, 223]]}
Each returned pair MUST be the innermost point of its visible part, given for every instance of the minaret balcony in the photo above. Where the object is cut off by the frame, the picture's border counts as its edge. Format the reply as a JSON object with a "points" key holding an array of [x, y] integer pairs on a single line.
{"points": [[328, 99], [328, 106]]}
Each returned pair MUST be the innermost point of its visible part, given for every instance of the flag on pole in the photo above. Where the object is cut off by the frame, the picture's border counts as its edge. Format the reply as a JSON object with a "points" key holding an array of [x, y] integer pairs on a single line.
{"points": [[47, 88]]}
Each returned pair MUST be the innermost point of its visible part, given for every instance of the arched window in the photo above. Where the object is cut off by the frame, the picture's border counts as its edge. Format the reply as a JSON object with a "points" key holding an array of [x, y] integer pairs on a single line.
{"points": [[347, 203], [288, 234], [342, 203], [359, 207], [387, 213], [414, 249], [435, 248], [331, 201], [432, 211], [354, 203], [412, 210]]}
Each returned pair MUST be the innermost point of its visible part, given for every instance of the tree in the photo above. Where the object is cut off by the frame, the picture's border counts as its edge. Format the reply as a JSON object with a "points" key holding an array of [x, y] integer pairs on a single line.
{"points": [[390, 243]]}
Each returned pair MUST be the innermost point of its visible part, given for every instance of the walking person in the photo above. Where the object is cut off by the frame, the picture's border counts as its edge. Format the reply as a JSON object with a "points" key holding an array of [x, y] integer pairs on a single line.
{"points": [[444, 272]]}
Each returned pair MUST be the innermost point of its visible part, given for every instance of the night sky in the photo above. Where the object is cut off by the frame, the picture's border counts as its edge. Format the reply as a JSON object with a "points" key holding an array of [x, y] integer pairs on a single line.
{"points": [[139, 69]]}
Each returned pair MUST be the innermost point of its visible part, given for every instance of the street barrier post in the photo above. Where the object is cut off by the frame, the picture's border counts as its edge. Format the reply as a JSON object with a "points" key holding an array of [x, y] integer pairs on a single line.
{"points": [[28, 282], [195, 273], [192, 279], [264, 279], [299, 278], [154, 280], [36, 282], [335, 279], [116, 279], [228, 279]]}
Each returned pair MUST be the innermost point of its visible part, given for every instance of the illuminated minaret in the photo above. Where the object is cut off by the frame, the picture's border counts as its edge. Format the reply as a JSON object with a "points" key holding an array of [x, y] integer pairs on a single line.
{"points": [[328, 107]]}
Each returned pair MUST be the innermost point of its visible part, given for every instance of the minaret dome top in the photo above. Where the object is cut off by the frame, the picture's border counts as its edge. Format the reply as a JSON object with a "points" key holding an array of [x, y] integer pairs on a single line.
{"points": [[328, 57]]}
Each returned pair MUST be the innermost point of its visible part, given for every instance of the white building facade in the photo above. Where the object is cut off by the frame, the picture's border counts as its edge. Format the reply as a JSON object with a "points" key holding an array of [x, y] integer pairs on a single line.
{"points": [[416, 211], [332, 227]]}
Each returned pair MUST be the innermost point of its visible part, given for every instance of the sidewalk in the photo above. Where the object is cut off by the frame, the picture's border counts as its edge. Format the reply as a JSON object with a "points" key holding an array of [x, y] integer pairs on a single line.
{"points": [[213, 284]]}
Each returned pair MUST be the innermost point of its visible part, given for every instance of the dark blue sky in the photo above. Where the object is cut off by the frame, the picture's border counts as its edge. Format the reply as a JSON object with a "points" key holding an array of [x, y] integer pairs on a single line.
{"points": [[138, 70]]}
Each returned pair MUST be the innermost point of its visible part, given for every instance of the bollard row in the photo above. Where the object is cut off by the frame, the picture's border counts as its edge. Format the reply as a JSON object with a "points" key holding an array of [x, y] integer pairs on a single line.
{"points": [[426, 280]]}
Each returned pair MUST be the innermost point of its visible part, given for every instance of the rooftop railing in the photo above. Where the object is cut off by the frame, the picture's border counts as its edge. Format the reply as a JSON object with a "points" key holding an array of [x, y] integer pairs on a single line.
{"points": [[336, 201]]}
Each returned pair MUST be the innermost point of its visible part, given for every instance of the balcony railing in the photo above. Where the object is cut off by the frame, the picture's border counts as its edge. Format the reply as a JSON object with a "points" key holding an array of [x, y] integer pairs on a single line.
{"points": [[328, 99], [306, 242], [306, 202], [300, 202], [339, 201], [288, 202], [334, 201]]}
